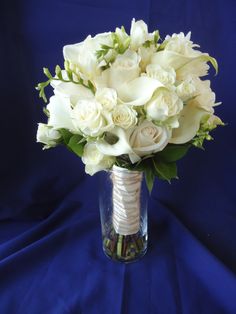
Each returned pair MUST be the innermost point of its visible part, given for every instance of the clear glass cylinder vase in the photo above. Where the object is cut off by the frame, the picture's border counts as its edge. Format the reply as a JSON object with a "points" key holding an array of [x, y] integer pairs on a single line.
{"points": [[123, 201]]}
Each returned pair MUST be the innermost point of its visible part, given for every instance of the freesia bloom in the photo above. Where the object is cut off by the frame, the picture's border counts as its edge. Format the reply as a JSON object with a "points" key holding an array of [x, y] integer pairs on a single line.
{"points": [[60, 113], [47, 135], [138, 34]]}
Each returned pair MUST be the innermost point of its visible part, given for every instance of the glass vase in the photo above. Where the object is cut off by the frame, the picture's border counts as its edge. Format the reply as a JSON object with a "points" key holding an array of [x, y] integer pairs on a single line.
{"points": [[123, 200]]}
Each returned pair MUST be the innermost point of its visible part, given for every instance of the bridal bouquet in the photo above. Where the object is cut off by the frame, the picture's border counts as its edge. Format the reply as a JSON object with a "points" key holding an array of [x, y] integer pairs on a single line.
{"points": [[130, 100]]}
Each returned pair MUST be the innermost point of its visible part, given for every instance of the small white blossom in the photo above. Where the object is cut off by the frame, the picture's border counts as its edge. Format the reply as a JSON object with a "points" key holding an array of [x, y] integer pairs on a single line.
{"points": [[94, 160], [47, 135], [124, 116]]}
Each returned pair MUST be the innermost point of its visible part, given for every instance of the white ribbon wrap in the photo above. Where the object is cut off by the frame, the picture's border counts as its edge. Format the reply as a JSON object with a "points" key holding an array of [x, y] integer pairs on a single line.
{"points": [[126, 200]]}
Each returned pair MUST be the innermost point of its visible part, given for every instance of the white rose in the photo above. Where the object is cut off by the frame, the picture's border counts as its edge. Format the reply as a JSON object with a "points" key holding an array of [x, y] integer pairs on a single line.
{"points": [[90, 118], [124, 69], [124, 116], [107, 97], [60, 113], [163, 105], [94, 160], [138, 34], [47, 135], [186, 89], [82, 56], [148, 138], [166, 76]]}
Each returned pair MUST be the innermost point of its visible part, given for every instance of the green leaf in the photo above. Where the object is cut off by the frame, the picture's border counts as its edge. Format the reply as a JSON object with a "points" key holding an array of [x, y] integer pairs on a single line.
{"points": [[165, 170], [75, 145], [173, 153], [149, 177], [66, 135]]}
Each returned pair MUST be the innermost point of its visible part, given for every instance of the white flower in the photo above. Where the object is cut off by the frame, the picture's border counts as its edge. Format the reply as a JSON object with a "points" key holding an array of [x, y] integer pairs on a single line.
{"points": [[139, 91], [89, 117], [138, 34], [47, 135], [164, 105], [148, 138], [124, 69], [212, 122], [181, 44], [107, 97], [205, 97], [139, 141], [72, 91], [60, 113], [197, 67], [124, 116], [179, 54], [119, 147], [189, 123], [146, 54], [166, 76], [123, 37], [83, 55], [94, 160], [186, 89]]}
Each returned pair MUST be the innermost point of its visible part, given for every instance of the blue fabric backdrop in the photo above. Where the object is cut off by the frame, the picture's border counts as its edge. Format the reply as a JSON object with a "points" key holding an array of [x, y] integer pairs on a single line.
{"points": [[51, 259]]}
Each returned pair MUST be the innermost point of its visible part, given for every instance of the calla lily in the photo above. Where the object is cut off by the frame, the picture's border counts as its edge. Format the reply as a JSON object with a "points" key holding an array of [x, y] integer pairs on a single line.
{"points": [[189, 123], [121, 147], [177, 61], [139, 91]]}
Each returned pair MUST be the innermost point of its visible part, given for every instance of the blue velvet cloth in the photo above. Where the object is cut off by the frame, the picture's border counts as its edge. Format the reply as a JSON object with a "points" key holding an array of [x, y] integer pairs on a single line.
{"points": [[51, 258]]}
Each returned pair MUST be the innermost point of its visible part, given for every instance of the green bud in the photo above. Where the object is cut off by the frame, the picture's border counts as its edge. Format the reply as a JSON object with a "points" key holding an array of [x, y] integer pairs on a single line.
{"points": [[47, 73]]}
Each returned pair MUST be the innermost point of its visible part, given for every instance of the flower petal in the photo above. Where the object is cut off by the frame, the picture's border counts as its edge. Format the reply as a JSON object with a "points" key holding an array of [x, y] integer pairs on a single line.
{"points": [[60, 113], [139, 91], [177, 61], [73, 91], [189, 123], [121, 147]]}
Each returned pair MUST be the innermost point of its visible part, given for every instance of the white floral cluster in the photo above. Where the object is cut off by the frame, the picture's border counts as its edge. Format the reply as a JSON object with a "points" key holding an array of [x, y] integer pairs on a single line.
{"points": [[145, 95]]}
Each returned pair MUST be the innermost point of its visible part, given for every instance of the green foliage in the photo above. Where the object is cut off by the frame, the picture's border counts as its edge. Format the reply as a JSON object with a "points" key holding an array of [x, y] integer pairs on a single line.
{"points": [[165, 170], [76, 145], [73, 77], [149, 177], [204, 132], [149, 43], [74, 142], [172, 153], [120, 43]]}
